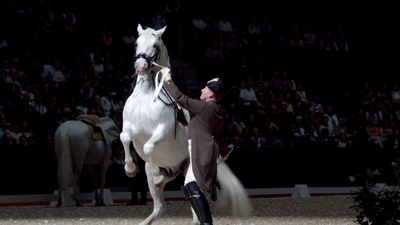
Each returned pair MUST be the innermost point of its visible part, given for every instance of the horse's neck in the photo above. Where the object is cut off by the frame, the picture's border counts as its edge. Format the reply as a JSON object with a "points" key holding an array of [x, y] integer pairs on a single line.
{"points": [[146, 83]]}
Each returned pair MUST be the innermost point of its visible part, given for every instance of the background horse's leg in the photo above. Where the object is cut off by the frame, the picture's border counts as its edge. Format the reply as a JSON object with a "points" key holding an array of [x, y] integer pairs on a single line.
{"points": [[156, 194], [103, 171], [95, 183], [77, 171], [59, 203], [126, 138]]}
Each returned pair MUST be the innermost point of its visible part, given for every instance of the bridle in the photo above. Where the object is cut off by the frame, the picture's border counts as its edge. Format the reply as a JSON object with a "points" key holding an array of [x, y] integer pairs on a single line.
{"points": [[152, 59]]}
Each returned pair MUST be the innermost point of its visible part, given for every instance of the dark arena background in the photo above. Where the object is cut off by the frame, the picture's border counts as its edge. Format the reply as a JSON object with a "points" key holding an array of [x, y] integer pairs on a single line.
{"points": [[325, 76]]}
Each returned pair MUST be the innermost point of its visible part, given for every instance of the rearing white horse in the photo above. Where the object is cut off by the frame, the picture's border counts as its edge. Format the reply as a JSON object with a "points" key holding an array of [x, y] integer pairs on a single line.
{"points": [[157, 136]]}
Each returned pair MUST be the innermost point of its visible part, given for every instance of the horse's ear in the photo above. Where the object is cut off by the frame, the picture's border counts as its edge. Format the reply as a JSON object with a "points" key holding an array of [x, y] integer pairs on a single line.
{"points": [[140, 29], [160, 32]]}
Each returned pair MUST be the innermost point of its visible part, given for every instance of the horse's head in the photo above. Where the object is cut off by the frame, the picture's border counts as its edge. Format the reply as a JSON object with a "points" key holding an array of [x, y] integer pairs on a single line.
{"points": [[148, 46]]}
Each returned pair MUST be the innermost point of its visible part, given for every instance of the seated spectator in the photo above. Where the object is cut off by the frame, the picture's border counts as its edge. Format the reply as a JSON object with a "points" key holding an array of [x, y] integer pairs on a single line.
{"points": [[7, 141], [13, 82], [199, 24], [279, 144], [373, 134], [379, 102], [326, 125], [56, 74], [272, 103], [298, 106], [16, 133], [396, 138], [129, 41], [341, 128], [270, 137], [248, 98], [326, 140], [214, 53], [302, 93], [246, 137], [212, 25], [316, 106], [253, 26], [310, 39], [98, 66], [225, 25], [342, 45], [288, 102], [158, 22], [238, 124], [386, 133], [296, 45], [273, 120], [372, 113], [276, 78], [395, 96], [23, 142], [235, 144], [300, 133], [5, 70], [265, 27], [276, 91], [256, 137], [287, 79], [327, 43], [26, 130], [314, 137], [342, 141], [2, 113], [281, 46], [333, 119], [286, 119], [4, 125]]}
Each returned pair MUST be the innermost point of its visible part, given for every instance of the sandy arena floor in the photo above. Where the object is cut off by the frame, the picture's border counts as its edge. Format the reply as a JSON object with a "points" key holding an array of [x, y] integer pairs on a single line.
{"points": [[327, 210]]}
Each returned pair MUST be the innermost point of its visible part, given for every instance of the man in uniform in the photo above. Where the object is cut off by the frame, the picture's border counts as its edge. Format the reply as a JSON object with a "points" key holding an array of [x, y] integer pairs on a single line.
{"points": [[204, 145]]}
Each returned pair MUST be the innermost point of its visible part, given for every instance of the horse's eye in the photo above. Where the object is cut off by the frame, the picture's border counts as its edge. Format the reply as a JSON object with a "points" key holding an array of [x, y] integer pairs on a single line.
{"points": [[154, 46]]}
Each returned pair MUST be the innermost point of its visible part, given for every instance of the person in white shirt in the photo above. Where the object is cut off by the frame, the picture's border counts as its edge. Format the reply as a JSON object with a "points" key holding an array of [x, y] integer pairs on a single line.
{"points": [[56, 72], [129, 39], [198, 23], [247, 95], [224, 25]]}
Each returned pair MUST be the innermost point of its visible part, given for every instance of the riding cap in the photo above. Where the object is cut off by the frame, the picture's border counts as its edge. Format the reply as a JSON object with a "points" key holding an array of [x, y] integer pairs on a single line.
{"points": [[216, 85]]}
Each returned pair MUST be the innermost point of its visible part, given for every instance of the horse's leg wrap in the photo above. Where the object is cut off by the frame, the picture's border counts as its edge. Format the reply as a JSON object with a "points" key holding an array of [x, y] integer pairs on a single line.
{"points": [[198, 202]]}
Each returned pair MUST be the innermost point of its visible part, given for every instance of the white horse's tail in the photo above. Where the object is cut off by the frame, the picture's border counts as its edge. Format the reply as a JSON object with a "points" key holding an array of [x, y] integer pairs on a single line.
{"points": [[66, 173], [232, 189]]}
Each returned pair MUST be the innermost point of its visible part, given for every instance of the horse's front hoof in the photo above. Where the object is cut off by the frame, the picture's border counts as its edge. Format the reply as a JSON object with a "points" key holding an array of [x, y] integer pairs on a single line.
{"points": [[130, 175], [130, 172]]}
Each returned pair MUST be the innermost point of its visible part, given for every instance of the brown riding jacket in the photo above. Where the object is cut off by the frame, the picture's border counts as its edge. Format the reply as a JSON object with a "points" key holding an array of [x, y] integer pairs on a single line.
{"points": [[205, 123]]}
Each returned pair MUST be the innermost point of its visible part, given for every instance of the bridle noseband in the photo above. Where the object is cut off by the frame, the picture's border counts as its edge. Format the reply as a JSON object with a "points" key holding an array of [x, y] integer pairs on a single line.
{"points": [[148, 59]]}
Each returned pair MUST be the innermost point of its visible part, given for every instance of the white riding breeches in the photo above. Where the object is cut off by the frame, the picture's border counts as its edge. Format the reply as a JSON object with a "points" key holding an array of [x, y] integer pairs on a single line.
{"points": [[189, 175]]}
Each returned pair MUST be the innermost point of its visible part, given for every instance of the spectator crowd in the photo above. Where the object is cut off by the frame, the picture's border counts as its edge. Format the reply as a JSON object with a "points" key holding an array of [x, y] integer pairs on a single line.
{"points": [[74, 66]]}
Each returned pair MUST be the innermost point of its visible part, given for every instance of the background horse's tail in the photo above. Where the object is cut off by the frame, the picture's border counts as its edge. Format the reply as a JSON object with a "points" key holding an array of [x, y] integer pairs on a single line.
{"points": [[233, 190], [65, 162]]}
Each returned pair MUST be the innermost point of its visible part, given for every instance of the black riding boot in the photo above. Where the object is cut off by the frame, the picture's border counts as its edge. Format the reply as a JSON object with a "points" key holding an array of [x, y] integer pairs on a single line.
{"points": [[198, 202]]}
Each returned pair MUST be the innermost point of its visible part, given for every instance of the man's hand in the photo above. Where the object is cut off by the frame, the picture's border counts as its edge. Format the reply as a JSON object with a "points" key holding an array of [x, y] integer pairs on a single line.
{"points": [[163, 71], [223, 159]]}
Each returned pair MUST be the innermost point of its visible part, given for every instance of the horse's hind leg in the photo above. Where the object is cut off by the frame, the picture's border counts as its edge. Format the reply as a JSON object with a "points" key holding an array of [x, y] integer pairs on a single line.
{"points": [[59, 203], [157, 195], [125, 136], [95, 183]]}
